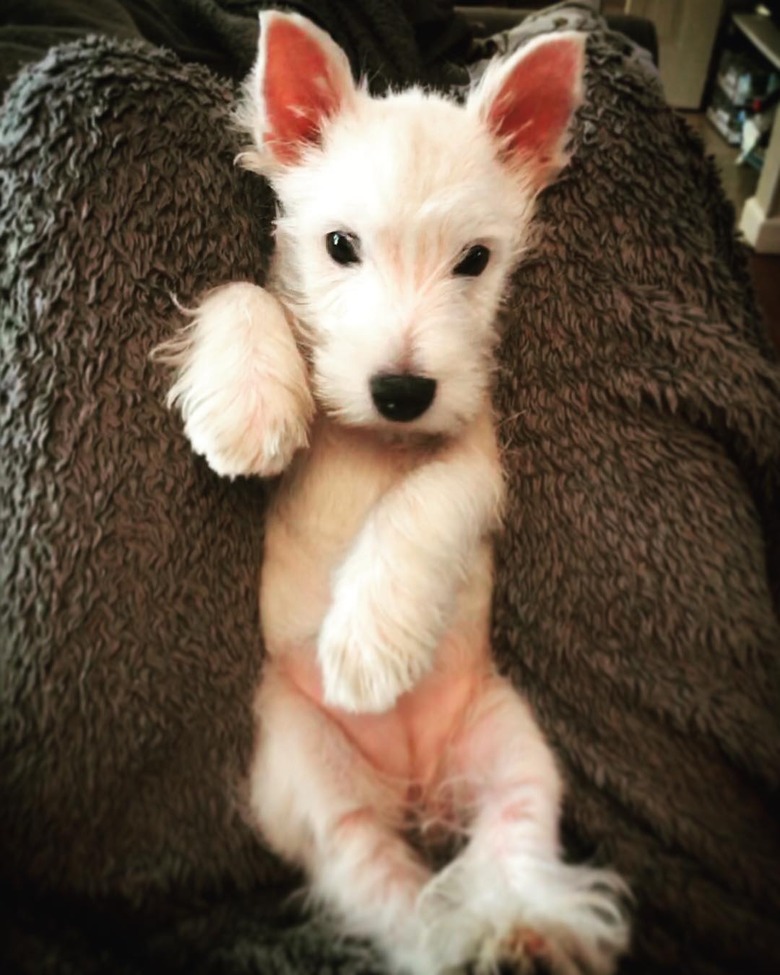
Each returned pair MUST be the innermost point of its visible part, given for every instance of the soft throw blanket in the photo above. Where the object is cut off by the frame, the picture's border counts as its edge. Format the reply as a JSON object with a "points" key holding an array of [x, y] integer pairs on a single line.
{"points": [[637, 598]]}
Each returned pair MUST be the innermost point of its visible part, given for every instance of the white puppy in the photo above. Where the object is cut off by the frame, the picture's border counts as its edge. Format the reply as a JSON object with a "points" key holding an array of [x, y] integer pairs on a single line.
{"points": [[363, 372]]}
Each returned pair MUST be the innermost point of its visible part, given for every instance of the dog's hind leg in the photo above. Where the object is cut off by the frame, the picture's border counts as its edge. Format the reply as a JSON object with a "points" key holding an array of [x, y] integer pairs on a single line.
{"points": [[321, 805], [508, 902]]}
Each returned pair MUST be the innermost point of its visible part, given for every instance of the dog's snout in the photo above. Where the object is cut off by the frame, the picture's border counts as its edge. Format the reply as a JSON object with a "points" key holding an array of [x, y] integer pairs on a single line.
{"points": [[402, 397]]}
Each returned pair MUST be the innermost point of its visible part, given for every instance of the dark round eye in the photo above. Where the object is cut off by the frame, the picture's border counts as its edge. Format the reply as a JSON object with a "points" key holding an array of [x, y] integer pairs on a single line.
{"points": [[342, 247], [473, 262]]}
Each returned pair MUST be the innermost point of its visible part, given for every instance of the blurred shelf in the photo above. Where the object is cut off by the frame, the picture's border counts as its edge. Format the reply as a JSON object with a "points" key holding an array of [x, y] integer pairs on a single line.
{"points": [[762, 33]]}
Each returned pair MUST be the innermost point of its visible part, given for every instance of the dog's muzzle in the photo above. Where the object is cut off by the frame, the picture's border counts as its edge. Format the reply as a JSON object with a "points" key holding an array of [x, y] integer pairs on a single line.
{"points": [[402, 397]]}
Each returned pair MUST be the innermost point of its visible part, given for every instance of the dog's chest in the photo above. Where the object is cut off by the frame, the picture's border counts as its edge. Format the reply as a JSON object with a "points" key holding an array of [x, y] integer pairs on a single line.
{"points": [[321, 505]]}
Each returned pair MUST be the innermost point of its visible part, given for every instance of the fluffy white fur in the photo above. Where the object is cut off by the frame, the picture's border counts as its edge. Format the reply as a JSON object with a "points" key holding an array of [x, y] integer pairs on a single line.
{"points": [[379, 702], [242, 387]]}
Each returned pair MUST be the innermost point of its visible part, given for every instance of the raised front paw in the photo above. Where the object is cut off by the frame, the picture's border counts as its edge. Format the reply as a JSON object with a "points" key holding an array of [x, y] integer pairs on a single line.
{"points": [[241, 383], [365, 667]]}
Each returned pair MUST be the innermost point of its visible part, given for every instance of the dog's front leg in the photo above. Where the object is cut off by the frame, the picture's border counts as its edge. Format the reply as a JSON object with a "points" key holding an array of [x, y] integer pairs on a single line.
{"points": [[241, 384], [394, 594]]}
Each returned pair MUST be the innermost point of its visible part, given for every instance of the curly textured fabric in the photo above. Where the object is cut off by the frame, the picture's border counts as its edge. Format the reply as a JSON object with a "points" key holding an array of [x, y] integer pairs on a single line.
{"points": [[641, 427], [125, 563], [642, 436]]}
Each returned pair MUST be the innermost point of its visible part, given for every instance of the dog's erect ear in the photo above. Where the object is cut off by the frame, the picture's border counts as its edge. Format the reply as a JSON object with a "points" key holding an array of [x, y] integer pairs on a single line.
{"points": [[528, 102], [300, 79]]}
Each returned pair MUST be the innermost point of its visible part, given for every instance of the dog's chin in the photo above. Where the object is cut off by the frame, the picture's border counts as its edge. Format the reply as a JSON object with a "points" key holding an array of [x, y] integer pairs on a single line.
{"points": [[415, 431], [432, 425], [451, 411]]}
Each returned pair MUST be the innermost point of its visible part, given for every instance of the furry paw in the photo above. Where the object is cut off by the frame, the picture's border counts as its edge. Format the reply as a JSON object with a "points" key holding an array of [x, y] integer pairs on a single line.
{"points": [[520, 952], [241, 384], [387, 616], [365, 668], [533, 918]]}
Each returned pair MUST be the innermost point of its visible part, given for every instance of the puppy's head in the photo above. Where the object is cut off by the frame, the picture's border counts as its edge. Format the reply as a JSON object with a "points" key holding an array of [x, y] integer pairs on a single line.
{"points": [[401, 217]]}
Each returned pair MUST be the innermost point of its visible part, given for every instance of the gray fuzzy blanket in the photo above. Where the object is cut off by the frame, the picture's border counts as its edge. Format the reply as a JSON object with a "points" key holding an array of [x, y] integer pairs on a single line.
{"points": [[638, 595]]}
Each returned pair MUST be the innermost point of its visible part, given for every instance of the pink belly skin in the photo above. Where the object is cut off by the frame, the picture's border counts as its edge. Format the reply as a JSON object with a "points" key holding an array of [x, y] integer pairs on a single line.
{"points": [[407, 743]]}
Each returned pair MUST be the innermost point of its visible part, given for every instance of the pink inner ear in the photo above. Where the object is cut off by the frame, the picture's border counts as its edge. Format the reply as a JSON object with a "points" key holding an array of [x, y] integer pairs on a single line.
{"points": [[298, 89], [535, 103]]}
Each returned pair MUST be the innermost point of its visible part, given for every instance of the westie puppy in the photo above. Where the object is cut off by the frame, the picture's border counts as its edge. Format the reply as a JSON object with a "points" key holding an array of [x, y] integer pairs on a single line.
{"points": [[363, 373]]}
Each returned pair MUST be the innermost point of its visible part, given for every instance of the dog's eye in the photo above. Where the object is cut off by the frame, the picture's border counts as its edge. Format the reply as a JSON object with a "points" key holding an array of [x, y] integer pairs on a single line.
{"points": [[342, 247], [473, 262]]}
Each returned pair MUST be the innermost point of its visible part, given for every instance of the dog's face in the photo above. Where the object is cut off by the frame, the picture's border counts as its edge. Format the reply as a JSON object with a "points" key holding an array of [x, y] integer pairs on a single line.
{"points": [[401, 217]]}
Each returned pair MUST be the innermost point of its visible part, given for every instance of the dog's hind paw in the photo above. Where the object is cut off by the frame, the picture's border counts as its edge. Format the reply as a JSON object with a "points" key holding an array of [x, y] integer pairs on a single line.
{"points": [[551, 918]]}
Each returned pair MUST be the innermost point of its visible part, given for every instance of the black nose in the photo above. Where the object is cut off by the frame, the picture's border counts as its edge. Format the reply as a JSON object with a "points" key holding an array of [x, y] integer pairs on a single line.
{"points": [[402, 397]]}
